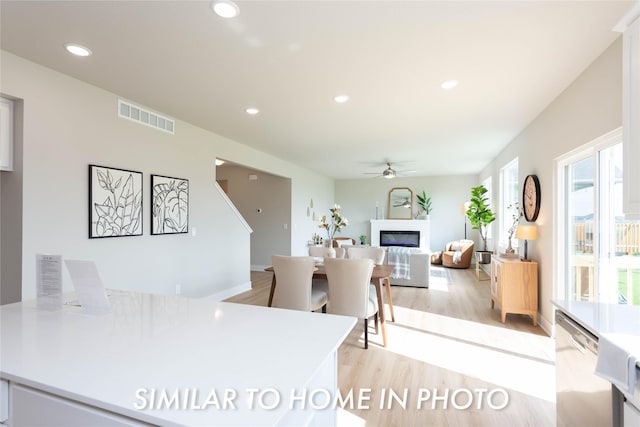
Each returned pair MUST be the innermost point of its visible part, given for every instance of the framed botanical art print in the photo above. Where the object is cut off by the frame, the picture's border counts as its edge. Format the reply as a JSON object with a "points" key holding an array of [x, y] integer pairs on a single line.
{"points": [[115, 202], [169, 205]]}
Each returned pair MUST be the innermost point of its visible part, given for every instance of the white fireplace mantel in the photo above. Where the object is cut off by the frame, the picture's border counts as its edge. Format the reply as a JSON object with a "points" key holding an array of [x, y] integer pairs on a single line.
{"points": [[421, 225]]}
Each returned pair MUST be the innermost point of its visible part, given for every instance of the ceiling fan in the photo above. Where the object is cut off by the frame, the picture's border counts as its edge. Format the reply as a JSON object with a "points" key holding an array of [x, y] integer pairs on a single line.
{"points": [[405, 203], [389, 172]]}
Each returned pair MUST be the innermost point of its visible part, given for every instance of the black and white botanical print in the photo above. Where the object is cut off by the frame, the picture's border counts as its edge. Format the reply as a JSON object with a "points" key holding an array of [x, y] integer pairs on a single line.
{"points": [[115, 202], [169, 205]]}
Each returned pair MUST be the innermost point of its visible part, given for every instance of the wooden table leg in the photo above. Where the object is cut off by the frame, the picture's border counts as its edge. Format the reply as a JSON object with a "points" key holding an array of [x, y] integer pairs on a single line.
{"points": [[273, 289], [381, 311], [388, 285]]}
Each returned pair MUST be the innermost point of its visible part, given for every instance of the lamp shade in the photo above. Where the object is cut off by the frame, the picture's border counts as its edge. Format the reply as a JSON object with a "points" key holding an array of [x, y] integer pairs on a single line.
{"points": [[527, 232], [464, 208]]}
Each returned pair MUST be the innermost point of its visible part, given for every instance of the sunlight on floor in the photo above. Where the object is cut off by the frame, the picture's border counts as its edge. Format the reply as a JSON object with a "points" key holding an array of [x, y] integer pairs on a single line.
{"points": [[439, 279], [511, 359]]}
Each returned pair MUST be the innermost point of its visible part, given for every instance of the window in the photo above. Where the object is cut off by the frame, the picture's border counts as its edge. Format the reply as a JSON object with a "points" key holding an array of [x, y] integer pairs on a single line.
{"points": [[509, 195], [600, 248], [489, 195]]}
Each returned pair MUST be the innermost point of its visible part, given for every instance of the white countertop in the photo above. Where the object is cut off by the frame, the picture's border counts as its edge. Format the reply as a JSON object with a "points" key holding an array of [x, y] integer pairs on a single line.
{"points": [[171, 343], [599, 318]]}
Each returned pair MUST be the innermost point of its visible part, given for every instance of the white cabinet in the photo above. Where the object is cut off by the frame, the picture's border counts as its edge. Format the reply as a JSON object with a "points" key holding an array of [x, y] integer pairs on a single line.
{"points": [[631, 118], [6, 134], [4, 402], [31, 407], [630, 415]]}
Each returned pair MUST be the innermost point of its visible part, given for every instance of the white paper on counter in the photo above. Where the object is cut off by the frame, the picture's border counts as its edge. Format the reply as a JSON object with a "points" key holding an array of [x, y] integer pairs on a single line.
{"points": [[49, 281], [88, 286]]}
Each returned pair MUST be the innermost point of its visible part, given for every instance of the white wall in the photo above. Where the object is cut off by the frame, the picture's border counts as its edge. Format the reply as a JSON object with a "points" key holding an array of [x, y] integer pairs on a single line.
{"points": [[272, 225], [590, 107], [358, 198], [69, 124]]}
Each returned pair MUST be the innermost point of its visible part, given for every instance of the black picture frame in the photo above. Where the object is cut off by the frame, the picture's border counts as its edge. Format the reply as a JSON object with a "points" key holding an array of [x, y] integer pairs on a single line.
{"points": [[115, 202], [169, 205]]}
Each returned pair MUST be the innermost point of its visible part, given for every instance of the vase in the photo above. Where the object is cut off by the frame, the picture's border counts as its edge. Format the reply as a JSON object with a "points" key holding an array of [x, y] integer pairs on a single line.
{"points": [[510, 249]]}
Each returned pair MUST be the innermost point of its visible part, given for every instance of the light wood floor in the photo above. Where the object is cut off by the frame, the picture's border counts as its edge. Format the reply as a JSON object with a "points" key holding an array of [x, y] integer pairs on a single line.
{"points": [[446, 339]]}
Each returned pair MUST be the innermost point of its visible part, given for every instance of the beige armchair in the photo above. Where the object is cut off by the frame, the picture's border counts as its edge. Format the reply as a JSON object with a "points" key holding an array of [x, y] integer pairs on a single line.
{"points": [[350, 292], [294, 289], [458, 254]]}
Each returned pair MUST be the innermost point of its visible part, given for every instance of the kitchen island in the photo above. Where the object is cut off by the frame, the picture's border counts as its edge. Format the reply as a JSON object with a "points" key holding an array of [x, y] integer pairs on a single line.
{"points": [[582, 330], [170, 361]]}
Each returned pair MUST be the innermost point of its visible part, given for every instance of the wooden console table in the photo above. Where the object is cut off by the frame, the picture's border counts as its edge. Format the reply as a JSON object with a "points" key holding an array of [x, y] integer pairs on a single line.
{"points": [[514, 287]]}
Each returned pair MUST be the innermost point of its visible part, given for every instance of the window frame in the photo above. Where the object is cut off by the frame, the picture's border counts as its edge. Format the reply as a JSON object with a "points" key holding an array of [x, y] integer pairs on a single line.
{"points": [[561, 287], [504, 215]]}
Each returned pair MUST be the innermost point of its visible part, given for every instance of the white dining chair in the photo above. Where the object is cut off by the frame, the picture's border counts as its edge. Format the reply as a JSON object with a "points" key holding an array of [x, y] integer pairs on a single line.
{"points": [[294, 288], [367, 252], [350, 292], [377, 255], [320, 252], [340, 252]]}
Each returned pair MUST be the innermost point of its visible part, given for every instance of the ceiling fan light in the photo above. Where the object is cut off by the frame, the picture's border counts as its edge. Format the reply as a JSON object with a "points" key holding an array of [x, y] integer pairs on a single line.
{"points": [[225, 8], [78, 50], [389, 173]]}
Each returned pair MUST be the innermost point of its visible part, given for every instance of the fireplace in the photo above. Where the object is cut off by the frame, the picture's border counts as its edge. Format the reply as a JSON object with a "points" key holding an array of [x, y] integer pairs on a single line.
{"points": [[406, 238], [419, 228]]}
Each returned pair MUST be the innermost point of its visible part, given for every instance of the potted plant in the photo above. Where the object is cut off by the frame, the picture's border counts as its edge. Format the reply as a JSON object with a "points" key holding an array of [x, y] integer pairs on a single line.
{"points": [[425, 205], [480, 216], [363, 239]]}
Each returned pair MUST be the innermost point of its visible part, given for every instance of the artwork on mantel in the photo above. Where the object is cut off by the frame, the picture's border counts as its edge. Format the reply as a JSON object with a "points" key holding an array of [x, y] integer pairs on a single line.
{"points": [[169, 205], [115, 202]]}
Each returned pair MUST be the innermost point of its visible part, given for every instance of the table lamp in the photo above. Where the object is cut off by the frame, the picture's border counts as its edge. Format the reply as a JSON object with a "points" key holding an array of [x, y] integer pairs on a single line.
{"points": [[526, 232]]}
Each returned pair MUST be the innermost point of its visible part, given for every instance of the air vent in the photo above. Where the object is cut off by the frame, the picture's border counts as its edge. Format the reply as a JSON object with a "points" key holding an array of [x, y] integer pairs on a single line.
{"points": [[138, 114]]}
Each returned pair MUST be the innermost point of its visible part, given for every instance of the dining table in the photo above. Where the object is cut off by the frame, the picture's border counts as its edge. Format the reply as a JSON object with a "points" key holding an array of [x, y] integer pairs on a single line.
{"points": [[379, 278]]}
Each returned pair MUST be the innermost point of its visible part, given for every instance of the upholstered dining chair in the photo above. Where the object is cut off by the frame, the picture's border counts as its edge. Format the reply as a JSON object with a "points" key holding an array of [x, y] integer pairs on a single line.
{"points": [[340, 252], [319, 253], [377, 255], [367, 252], [294, 288], [350, 291]]}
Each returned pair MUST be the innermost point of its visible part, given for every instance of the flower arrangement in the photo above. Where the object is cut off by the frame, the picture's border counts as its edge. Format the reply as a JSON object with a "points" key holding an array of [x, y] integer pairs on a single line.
{"points": [[515, 219], [336, 224]]}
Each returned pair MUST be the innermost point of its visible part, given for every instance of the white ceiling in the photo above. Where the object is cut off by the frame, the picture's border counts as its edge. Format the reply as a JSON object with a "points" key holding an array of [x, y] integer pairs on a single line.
{"points": [[289, 59]]}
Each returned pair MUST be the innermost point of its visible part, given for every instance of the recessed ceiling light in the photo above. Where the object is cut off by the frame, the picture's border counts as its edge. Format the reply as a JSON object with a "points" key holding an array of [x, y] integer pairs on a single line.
{"points": [[219, 162], [341, 99], [78, 50], [449, 84], [252, 111], [225, 8]]}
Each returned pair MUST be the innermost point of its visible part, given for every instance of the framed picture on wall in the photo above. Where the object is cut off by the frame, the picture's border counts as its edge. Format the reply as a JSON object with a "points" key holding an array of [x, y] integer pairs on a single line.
{"points": [[115, 202], [169, 205]]}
